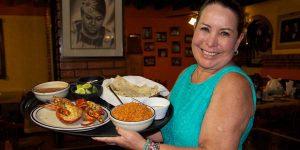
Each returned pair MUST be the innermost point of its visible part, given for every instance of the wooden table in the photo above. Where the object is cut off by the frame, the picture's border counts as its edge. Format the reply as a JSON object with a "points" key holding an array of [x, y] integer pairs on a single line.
{"points": [[281, 102], [281, 116], [15, 97], [11, 97]]}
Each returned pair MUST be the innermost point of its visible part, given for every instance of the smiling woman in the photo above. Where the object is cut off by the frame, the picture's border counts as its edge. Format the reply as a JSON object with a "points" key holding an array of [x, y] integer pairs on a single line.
{"points": [[2, 58]]}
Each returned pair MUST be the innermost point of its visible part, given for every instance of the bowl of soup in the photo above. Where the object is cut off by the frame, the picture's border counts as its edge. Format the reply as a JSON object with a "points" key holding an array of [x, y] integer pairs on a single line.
{"points": [[48, 90]]}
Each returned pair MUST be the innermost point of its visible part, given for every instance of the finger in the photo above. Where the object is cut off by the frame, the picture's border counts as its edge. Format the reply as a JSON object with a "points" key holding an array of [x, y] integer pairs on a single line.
{"points": [[104, 139], [122, 131]]}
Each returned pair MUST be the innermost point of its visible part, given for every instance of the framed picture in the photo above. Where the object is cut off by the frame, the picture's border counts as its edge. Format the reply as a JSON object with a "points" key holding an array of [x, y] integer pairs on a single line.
{"points": [[174, 31], [149, 46], [176, 61], [175, 47], [147, 32], [161, 36], [289, 31], [92, 29], [149, 61], [162, 52], [2, 58], [188, 38], [188, 52]]}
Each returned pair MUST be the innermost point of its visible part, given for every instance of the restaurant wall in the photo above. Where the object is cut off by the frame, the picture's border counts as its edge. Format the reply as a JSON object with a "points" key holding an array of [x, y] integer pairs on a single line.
{"points": [[25, 52], [162, 71], [271, 9], [26, 46]]}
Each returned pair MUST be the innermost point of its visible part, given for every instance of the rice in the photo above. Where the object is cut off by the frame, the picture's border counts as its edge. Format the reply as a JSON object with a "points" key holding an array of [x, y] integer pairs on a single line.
{"points": [[132, 112]]}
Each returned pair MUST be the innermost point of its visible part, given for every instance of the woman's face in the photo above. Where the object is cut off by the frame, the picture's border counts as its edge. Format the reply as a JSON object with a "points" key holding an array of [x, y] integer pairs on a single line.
{"points": [[92, 22], [215, 37]]}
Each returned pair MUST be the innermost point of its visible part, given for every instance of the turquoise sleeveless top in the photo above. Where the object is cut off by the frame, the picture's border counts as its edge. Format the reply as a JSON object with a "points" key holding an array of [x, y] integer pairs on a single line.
{"points": [[190, 102]]}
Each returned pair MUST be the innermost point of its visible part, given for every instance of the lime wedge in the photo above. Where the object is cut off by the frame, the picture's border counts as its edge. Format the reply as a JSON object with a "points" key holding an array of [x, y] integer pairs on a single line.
{"points": [[87, 91], [80, 91], [87, 86], [78, 86], [94, 89]]}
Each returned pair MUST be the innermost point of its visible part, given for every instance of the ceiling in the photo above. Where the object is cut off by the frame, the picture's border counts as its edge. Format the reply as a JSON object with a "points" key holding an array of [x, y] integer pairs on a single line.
{"points": [[178, 4]]}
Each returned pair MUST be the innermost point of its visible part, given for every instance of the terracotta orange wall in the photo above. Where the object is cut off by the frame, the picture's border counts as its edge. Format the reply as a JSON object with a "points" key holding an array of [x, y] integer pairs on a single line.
{"points": [[135, 20]]}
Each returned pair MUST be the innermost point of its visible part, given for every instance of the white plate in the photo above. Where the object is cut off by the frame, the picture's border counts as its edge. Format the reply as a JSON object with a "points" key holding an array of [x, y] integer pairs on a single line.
{"points": [[47, 118], [109, 97]]}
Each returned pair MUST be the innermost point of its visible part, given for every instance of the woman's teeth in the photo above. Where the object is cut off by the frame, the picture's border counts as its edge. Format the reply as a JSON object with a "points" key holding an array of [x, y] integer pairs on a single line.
{"points": [[208, 53]]}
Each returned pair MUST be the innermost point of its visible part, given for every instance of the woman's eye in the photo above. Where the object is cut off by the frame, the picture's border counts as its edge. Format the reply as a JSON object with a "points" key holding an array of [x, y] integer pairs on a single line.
{"points": [[204, 29], [225, 34], [99, 18], [88, 17]]}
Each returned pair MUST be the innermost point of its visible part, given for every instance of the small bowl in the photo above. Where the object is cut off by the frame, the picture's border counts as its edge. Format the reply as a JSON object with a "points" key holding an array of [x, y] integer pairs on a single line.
{"points": [[160, 105], [84, 80], [46, 91], [91, 97], [132, 125]]}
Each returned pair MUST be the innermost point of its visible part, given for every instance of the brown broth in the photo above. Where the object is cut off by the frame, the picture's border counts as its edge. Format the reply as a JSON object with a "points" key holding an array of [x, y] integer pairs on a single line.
{"points": [[48, 90]]}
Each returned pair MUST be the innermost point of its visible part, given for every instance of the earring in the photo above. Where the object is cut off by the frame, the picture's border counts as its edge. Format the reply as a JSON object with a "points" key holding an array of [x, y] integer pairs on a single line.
{"points": [[236, 52]]}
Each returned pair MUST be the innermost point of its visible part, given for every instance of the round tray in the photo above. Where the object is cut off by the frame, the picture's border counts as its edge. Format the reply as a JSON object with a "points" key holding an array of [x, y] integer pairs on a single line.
{"points": [[29, 104]]}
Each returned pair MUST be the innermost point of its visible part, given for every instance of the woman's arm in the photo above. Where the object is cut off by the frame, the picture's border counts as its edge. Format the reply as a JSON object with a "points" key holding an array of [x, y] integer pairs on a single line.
{"points": [[228, 113]]}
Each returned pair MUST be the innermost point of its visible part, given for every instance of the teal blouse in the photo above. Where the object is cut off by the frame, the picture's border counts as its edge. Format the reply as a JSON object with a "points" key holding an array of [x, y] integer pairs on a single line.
{"points": [[190, 102]]}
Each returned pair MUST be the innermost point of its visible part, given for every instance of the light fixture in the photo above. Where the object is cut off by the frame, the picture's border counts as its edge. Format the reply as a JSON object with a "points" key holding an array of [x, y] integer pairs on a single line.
{"points": [[192, 21]]}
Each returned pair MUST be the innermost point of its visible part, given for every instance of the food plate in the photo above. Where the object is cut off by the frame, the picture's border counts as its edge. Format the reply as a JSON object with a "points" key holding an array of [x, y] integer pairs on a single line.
{"points": [[108, 96], [30, 108], [47, 118]]}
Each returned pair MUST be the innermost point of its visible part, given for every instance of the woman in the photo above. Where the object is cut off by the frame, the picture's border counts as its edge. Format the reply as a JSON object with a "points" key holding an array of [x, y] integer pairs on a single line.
{"points": [[89, 32], [218, 112]]}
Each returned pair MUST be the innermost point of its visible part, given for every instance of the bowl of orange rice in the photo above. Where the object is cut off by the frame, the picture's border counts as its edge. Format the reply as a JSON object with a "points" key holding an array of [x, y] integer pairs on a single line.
{"points": [[132, 116]]}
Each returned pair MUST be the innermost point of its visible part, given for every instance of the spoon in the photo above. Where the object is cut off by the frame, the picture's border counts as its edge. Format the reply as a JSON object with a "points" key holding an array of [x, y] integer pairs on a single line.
{"points": [[90, 82], [115, 94], [136, 100]]}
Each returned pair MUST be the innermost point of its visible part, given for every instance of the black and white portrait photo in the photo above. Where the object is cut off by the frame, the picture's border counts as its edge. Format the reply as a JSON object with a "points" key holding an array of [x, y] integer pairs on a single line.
{"points": [[92, 24], [92, 28]]}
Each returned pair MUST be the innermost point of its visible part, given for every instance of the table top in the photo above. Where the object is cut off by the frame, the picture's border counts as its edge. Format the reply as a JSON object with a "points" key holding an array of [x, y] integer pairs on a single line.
{"points": [[279, 102], [11, 97]]}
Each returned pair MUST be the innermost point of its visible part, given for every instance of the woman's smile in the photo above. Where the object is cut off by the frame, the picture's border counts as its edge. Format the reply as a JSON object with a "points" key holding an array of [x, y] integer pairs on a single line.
{"points": [[208, 53]]}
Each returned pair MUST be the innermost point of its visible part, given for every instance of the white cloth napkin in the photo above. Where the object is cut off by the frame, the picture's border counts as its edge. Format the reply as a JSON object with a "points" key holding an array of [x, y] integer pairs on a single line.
{"points": [[109, 97]]}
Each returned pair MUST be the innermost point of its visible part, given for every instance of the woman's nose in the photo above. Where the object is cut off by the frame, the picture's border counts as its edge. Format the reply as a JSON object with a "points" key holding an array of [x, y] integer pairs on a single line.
{"points": [[212, 40]]}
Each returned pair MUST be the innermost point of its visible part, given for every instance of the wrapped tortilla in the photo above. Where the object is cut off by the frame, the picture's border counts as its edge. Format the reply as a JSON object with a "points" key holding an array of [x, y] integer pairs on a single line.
{"points": [[125, 88]]}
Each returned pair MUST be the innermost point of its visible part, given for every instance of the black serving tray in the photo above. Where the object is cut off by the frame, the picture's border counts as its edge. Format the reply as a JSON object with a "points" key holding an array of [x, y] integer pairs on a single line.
{"points": [[29, 103]]}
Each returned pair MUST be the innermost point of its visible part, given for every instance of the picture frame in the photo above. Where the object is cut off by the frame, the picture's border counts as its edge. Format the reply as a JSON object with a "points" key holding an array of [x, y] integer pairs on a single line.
{"points": [[149, 60], [162, 52], [149, 46], [176, 47], [147, 32], [288, 31], [188, 38], [161, 36], [176, 61], [174, 31], [109, 39], [188, 52], [2, 54]]}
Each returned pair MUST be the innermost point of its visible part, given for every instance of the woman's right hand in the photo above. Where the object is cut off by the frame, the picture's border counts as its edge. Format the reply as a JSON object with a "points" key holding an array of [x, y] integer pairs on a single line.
{"points": [[127, 139]]}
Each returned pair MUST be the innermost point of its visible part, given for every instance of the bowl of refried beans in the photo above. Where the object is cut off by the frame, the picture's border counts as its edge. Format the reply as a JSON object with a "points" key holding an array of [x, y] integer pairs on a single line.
{"points": [[48, 90]]}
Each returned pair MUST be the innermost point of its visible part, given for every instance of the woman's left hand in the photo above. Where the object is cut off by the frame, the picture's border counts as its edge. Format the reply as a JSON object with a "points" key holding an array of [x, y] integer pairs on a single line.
{"points": [[127, 139]]}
